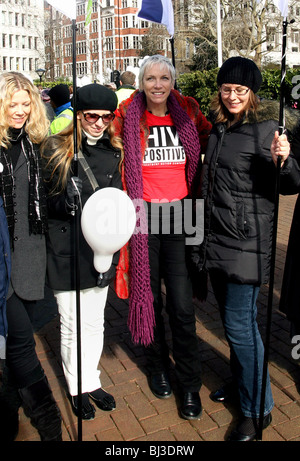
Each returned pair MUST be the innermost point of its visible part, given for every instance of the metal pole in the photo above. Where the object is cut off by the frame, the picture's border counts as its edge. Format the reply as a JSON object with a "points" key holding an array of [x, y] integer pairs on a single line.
{"points": [[76, 238], [219, 32], [274, 236]]}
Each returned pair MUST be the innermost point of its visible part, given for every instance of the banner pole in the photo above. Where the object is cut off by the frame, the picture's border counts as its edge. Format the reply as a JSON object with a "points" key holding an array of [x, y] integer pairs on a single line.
{"points": [[76, 236], [274, 236]]}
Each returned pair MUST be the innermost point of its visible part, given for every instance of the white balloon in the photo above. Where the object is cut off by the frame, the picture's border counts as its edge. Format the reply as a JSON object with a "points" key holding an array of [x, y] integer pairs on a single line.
{"points": [[108, 220]]}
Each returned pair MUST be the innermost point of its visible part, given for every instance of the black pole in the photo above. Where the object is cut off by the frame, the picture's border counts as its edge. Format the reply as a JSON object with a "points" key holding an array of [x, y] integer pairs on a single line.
{"points": [[76, 238], [274, 236], [173, 57]]}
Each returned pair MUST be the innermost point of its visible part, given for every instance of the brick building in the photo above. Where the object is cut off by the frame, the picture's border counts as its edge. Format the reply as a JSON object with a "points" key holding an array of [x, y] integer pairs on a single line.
{"points": [[110, 42]]}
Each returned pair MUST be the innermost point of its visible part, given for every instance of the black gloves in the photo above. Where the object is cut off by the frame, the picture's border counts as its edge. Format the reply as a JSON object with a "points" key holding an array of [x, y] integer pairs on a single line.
{"points": [[107, 277], [74, 188]]}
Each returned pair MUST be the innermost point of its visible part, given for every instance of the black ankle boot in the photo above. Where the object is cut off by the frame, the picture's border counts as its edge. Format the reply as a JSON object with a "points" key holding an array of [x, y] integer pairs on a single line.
{"points": [[41, 407], [10, 402]]}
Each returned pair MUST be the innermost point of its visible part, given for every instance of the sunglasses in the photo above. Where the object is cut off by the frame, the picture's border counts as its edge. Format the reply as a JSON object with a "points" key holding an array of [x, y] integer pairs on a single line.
{"points": [[93, 118]]}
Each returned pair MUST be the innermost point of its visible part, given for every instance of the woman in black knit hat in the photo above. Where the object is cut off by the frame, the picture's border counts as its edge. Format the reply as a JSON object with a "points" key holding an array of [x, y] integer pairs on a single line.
{"points": [[238, 184]]}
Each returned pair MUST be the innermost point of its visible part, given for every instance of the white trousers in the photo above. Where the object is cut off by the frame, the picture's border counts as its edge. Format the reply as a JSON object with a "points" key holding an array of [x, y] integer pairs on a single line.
{"points": [[92, 304]]}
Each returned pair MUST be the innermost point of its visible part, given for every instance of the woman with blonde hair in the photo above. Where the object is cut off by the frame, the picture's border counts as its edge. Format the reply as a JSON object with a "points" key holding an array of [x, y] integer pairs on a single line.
{"points": [[99, 154], [23, 126]]}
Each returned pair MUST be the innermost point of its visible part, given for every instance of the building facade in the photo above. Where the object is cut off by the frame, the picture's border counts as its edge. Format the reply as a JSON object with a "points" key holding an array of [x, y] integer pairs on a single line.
{"points": [[111, 41], [34, 35], [22, 36]]}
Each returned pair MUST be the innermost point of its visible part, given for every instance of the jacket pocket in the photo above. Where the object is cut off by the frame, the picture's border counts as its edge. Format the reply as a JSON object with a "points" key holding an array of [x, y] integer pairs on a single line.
{"points": [[241, 219]]}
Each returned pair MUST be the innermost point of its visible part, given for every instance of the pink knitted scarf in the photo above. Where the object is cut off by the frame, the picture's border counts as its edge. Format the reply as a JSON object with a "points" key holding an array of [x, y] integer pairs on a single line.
{"points": [[141, 319]]}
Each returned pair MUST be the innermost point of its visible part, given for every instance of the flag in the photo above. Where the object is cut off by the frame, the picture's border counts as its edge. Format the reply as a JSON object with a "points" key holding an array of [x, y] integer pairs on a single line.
{"points": [[159, 11], [283, 6], [67, 7], [89, 13]]}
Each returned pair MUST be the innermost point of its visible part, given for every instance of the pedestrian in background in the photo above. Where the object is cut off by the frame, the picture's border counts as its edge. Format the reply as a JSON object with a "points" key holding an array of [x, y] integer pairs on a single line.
{"points": [[127, 86], [60, 101]]}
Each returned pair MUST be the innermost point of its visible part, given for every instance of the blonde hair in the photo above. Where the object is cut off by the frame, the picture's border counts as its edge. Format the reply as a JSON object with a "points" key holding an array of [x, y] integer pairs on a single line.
{"points": [[222, 114], [37, 124], [62, 146]]}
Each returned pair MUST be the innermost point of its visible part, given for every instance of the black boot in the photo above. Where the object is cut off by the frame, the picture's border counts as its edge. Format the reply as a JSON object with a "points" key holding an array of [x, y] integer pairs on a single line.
{"points": [[41, 407], [10, 402]]}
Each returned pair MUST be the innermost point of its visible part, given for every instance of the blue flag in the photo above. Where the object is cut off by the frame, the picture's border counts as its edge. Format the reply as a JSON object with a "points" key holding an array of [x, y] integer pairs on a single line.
{"points": [[159, 11]]}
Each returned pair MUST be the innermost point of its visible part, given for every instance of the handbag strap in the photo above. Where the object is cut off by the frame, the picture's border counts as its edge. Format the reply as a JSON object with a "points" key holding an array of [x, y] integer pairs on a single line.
{"points": [[88, 171]]}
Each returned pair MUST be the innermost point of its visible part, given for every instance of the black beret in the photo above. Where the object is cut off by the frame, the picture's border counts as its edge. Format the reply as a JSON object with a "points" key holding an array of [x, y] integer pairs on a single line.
{"points": [[96, 97], [240, 71], [60, 94]]}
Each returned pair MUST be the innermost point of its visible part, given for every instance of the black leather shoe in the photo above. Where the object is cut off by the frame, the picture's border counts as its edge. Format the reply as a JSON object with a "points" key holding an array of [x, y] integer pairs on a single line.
{"points": [[191, 405], [88, 410], [103, 400], [160, 385], [247, 429], [226, 393]]}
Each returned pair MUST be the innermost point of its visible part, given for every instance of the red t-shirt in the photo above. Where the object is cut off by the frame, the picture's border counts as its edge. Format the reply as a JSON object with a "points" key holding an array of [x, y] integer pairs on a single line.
{"points": [[164, 162]]}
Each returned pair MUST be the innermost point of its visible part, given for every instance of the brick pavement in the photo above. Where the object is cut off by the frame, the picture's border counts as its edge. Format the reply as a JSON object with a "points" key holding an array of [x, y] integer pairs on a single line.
{"points": [[140, 416]]}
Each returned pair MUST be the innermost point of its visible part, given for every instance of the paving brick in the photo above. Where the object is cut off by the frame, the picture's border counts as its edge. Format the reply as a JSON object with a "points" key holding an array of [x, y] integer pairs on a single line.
{"points": [[139, 415], [127, 424]]}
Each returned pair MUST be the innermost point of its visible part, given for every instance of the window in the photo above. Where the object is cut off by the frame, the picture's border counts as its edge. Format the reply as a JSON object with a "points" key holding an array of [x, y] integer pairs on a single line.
{"points": [[80, 9], [109, 43], [94, 7], [135, 42], [81, 68], [95, 67], [95, 46], [125, 22], [81, 47], [81, 28], [94, 26], [109, 23], [68, 50], [125, 43], [68, 31]]}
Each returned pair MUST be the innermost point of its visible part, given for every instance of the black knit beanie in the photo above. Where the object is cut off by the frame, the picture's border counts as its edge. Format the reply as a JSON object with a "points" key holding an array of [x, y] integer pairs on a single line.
{"points": [[60, 94], [240, 71], [96, 97]]}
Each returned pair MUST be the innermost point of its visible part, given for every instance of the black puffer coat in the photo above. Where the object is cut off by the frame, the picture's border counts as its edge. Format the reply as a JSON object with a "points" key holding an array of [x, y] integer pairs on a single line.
{"points": [[104, 161], [238, 184], [290, 291]]}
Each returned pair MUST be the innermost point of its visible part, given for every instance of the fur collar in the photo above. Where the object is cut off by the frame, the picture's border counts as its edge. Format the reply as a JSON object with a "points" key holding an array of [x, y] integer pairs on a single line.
{"points": [[269, 110]]}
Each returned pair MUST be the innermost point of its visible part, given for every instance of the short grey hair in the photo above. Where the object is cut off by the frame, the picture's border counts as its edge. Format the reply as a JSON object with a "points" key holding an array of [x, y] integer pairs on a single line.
{"points": [[156, 59]]}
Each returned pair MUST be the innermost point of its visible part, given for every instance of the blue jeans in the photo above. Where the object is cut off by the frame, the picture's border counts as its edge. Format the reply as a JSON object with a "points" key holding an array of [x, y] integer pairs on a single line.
{"points": [[237, 303]]}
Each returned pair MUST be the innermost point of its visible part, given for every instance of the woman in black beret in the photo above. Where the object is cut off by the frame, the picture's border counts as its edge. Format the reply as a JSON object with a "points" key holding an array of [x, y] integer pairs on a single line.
{"points": [[99, 151], [238, 187]]}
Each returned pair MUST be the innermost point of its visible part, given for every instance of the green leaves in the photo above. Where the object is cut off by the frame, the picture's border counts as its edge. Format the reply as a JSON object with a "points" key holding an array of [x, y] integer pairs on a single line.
{"points": [[202, 85]]}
